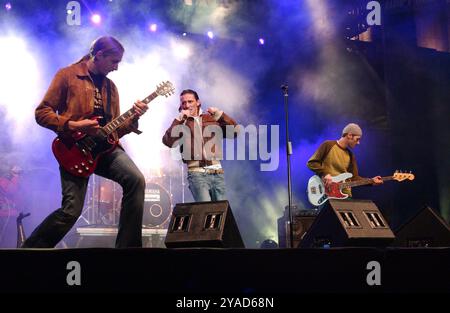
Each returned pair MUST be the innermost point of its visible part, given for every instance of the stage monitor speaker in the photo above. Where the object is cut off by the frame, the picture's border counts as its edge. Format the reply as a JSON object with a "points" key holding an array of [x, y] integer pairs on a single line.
{"points": [[203, 224], [348, 223], [424, 229], [301, 222]]}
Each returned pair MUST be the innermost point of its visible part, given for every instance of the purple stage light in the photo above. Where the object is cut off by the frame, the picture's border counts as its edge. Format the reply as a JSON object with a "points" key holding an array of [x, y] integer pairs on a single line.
{"points": [[153, 27], [210, 34], [261, 41], [8, 6], [96, 19]]}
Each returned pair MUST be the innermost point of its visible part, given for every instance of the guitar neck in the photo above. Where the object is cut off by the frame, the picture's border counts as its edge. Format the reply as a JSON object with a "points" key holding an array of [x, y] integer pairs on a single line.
{"points": [[362, 182], [119, 121]]}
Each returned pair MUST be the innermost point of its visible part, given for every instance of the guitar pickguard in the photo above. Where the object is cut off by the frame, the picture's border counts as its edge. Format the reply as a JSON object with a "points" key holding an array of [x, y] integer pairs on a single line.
{"points": [[333, 191], [80, 157]]}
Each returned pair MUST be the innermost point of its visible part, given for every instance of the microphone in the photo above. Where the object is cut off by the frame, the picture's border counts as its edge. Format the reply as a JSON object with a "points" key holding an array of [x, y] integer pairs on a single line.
{"points": [[284, 87]]}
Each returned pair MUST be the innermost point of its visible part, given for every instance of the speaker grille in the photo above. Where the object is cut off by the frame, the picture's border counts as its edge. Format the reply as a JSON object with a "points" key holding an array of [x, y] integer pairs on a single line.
{"points": [[348, 223], [203, 224]]}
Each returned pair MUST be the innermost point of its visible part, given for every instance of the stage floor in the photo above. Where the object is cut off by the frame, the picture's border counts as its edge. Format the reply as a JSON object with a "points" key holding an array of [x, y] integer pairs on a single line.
{"points": [[216, 271]]}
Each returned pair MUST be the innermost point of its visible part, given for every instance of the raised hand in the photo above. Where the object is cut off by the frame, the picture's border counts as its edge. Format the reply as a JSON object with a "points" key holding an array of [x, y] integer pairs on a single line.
{"points": [[212, 110]]}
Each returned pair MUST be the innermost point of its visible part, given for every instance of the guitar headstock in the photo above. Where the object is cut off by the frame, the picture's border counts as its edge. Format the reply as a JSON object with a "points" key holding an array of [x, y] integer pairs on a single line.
{"points": [[165, 89], [399, 176]]}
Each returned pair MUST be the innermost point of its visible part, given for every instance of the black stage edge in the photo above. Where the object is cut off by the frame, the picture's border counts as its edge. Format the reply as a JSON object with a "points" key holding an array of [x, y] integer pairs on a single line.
{"points": [[225, 271]]}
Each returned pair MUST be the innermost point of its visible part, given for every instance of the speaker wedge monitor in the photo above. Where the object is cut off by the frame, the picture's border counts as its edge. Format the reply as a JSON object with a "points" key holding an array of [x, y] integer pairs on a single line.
{"points": [[203, 224], [348, 223], [425, 229]]}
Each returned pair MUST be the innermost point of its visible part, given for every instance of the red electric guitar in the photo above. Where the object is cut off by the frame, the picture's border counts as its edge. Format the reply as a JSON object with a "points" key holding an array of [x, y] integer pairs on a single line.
{"points": [[78, 152]]}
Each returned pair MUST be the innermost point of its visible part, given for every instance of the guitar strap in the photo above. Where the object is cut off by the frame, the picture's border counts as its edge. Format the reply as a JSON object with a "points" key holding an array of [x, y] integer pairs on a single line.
{"points": [[350, 165], [108, 114]]}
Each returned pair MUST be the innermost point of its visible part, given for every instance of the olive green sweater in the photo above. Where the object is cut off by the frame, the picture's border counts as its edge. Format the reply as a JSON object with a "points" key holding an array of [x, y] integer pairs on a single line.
{"points": [[330, 158]]}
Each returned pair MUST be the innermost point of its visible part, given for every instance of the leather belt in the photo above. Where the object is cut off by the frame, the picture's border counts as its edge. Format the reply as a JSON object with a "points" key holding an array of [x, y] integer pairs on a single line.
{"points": [[205, 170]]}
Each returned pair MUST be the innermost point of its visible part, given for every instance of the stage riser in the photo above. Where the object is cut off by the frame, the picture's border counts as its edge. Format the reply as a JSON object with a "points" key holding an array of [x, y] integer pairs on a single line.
{"points": [[335, 270]]}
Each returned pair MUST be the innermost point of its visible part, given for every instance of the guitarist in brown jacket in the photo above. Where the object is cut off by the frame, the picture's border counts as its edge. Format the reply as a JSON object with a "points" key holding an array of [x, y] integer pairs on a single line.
{"points": [[81, 99]]}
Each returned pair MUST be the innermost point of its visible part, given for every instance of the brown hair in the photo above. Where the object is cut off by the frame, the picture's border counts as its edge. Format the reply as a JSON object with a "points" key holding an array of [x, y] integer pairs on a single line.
{"points": [[191, 92], [107, 44]]}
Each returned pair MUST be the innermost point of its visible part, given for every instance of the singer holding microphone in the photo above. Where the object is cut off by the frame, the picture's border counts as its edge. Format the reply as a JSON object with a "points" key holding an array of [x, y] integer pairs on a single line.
{"points": [[199, 135]]}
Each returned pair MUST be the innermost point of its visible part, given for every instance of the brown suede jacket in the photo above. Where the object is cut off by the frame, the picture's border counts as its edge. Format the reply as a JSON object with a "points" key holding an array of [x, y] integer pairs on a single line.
{"points": [[205, 149], [70, 97]]}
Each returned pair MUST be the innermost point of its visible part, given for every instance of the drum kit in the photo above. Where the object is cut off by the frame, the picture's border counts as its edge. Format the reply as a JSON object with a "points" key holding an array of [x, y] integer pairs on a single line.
{"points": [[102, 204], [104, 197]]}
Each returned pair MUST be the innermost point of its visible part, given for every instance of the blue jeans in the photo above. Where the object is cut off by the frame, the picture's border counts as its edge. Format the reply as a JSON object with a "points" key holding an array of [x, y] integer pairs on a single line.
{"points": [[116, 166], [206, 187]]}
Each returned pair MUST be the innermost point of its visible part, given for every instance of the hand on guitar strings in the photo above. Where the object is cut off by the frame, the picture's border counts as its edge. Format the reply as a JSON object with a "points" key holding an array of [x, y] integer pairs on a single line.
{"points": [[89, 126], [327, 180], [140, 108]]}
